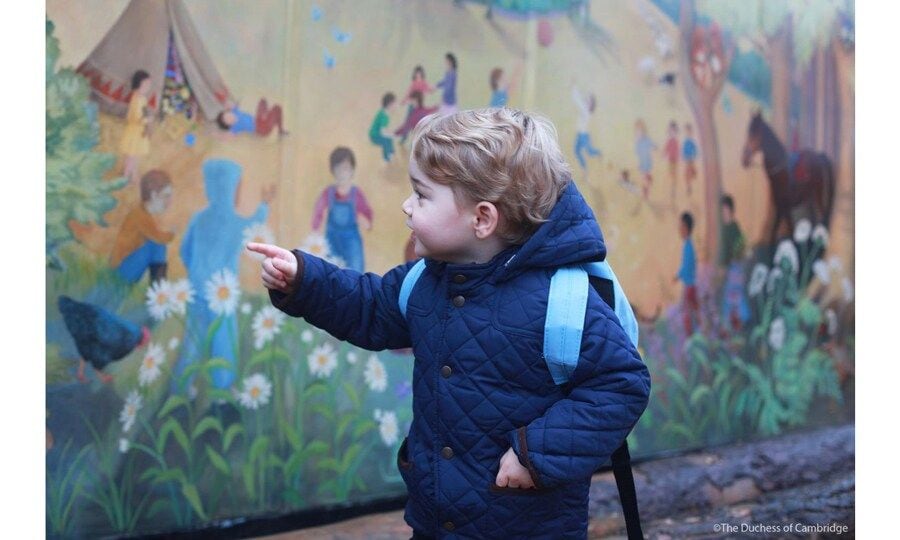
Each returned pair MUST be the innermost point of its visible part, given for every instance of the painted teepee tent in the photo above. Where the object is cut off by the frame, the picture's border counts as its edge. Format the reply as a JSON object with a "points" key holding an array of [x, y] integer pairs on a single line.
{"points": [[158, 37]]}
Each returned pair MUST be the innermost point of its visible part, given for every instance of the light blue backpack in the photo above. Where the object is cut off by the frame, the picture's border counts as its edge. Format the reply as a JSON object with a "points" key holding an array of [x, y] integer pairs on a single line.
{"points": [[566, 306]]}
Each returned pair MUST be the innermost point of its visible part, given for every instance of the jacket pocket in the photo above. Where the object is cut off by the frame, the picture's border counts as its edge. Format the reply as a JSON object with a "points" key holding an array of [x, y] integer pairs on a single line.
{"points": [[532, 492]]}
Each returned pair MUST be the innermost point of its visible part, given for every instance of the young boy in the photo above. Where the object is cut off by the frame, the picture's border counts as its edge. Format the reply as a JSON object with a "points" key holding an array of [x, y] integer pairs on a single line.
{"points": [[690, 305], [689, 154], [141, 244], [344, 203], [495, 449], [380, 122]]}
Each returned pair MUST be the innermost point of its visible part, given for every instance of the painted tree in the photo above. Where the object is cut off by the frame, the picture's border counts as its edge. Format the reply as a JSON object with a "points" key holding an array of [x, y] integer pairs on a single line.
{"points": [[767, 27], [76, 189], [704, 62]]}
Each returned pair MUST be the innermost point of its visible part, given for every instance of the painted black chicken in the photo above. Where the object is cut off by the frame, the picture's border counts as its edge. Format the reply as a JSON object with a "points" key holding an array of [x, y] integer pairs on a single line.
{"points": [[100, 336]]}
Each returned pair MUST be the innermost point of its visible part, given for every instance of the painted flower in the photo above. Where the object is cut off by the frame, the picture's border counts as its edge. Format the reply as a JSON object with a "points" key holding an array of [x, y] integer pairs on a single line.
{"points": [[266, 323], [257, 391], [306, 336], [223, 292], [124, 445], [261, 234], [757, 279], [774, 276], [820, 269], [787, 251], [159, 299], [315, 244], [387, 426], [150, 367], [835, 263], [847, 286], [322, 361], [832, 321], [246, 308], [403, 389], [375, 375], [776, 334], [352, 357], [174, 343], [802, 231], [133, 404], [820, 235], [182, 295]]}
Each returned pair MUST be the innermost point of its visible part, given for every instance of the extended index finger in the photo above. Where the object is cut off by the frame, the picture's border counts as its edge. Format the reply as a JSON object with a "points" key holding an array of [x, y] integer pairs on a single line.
{"points": [[268, 250]]}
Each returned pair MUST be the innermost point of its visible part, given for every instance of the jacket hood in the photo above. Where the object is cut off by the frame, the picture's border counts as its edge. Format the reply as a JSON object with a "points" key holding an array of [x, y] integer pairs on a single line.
{"points": [[221, 178], [570, 235]]}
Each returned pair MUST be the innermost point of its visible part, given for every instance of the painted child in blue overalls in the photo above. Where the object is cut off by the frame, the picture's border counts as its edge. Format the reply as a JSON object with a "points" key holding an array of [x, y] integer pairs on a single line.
{"points": [[343, 202]]}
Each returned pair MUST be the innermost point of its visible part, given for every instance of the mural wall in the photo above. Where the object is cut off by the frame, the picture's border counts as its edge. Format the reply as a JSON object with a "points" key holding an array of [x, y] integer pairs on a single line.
{"points": [[714, 141]]}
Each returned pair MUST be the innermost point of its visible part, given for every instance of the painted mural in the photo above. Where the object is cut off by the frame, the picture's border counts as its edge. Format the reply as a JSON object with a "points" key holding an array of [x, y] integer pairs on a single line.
{"points": [[713, 139]]}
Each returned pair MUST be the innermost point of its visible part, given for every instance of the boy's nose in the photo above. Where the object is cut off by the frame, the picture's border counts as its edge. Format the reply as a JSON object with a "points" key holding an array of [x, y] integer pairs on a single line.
{"points": [[407, 206]]}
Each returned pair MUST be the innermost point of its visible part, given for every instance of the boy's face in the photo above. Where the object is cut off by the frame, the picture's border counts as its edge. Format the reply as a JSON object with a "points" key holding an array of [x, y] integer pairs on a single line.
{"points": [[343, 172], [683, 230], [160, 200], [441, 229]]}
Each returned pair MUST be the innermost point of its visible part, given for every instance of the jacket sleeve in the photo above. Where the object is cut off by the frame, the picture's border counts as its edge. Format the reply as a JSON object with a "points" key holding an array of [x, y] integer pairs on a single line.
{"points": [[359, 308], [608, 392]]}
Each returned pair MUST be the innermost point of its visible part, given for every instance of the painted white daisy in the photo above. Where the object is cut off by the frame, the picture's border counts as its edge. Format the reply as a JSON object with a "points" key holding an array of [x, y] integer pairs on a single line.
{"points": [[133, 404], [835, 263], [315, 244], [787, 251], [352, 357], [375, 375], [757, 279], [124, 445], [847, 286], [831, 319], [159, 299], [774, 276], [820, 269], [257, 390], [776, 333], [388, 428], [150, 367], [377, 414], [322, 361], [306, 336], [261, 234], [820, 235], [266, 323], [174, 343], [223, 292], [802, 230], [246, 308], [182, 295]]}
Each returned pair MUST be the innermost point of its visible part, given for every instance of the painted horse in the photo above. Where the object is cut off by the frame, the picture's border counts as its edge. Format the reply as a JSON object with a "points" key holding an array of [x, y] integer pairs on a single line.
{"points": [[804, 178]]}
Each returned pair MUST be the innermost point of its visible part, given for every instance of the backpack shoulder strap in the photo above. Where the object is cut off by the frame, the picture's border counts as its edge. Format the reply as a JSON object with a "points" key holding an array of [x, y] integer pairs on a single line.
{"points": [[566, 306], [619, 303], [409, 281]]}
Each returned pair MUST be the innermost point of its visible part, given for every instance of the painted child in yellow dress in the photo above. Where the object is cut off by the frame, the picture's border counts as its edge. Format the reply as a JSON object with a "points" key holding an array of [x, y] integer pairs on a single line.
{"points": [[135, 141]]}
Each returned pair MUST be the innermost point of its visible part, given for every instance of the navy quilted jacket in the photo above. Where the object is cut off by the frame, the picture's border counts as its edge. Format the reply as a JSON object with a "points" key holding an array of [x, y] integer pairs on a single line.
{"points": [[480, 383]]}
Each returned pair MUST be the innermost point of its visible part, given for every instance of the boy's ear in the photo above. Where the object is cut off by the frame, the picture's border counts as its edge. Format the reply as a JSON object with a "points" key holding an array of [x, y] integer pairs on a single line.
{"points": [[486, 219]]}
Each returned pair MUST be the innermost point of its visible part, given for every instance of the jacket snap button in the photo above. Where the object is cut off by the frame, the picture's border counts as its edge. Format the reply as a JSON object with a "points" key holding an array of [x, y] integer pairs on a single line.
{"points": [[449, 526], [458, 301], [446, 371], [459, 279], [447, 452]]}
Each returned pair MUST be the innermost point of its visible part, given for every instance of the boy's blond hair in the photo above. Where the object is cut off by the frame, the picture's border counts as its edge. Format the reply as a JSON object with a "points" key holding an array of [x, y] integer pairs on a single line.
{"points": [[503, 156]]}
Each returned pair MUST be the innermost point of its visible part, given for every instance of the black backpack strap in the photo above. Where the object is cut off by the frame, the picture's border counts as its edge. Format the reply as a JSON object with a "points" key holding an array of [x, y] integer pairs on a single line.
{"points": [[621, 466], [621, 459]]}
